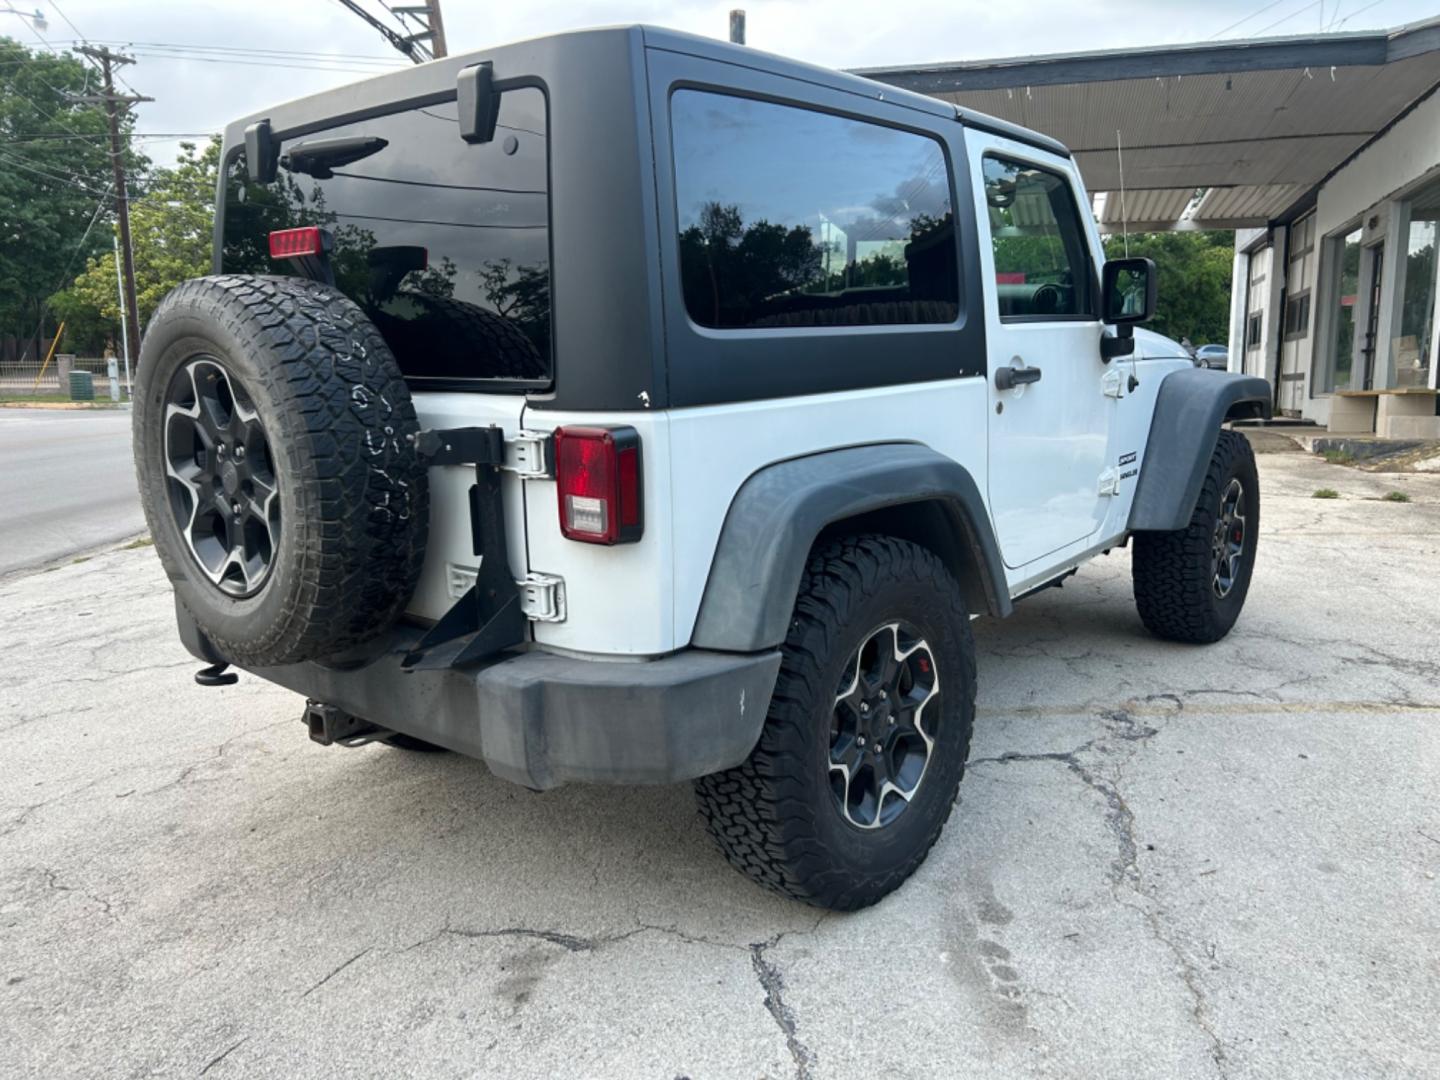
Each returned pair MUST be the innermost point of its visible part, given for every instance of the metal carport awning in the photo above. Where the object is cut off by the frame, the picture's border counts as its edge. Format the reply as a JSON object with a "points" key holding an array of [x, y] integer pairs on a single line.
{"points": [[1219, 135]]}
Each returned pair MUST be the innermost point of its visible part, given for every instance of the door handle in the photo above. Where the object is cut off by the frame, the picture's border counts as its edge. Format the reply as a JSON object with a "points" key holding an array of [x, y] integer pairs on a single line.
{"points": [[1007, 378]]}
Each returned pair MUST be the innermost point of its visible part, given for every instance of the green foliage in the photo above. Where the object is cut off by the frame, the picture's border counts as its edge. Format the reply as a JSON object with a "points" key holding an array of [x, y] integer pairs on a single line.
{"points": [[1395, 496], [1194, 268], [1337, 457], [54, 173], [171, 225], [1325, 493]]}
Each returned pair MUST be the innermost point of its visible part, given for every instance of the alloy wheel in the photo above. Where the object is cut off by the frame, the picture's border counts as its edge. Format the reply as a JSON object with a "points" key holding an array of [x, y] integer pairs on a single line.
{"points": [[1228, 544], [222, 486], [882, 728]]}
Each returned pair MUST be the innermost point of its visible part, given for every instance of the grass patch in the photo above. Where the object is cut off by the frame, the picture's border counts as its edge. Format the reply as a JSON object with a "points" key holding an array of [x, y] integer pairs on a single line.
{"points": [[138, 542], [1325, 493], [1395, 496], [1338, 457], [80, 559]]}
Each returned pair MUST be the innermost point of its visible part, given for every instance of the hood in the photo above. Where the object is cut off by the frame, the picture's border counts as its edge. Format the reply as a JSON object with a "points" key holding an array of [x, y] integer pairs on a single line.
{"points": [[1152, 346]]}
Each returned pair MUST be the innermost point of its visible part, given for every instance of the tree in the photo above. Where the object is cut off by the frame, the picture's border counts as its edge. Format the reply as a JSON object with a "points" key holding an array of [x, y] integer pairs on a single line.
{"points": [[1194, 269], [54, 176], [171, 226]]}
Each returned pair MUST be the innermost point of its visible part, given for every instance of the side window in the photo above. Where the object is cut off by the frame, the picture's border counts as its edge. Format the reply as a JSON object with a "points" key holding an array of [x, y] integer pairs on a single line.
{"points": [[1043, 268], [790, 217]]}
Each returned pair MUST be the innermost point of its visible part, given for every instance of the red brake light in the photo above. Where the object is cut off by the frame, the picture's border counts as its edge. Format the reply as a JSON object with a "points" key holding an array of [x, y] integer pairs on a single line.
{"points": [[597, 476], [295, 243]]}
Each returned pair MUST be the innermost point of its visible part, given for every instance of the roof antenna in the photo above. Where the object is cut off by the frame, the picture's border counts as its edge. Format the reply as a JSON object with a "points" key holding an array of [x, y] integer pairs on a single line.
{"points": [[1124, 223]]}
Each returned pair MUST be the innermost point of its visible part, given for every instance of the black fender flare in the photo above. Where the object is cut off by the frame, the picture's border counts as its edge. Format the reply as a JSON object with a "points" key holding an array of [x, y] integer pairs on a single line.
{"points": [[779, 512], [1190, 406]]}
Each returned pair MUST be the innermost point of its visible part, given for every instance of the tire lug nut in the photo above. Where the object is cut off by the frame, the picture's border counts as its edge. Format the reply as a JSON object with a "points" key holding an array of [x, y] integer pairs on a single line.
{"points": [[877, 748], [235, 508], [864, 708]]}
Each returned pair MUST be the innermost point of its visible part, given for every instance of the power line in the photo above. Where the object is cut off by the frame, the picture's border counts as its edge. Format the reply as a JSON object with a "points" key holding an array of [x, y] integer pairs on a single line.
{"points": [[1359, 11], [1287, 18], [65, 136], [1247, 18], [408, 45], [304, 54], [44, 174], [338, 69]]}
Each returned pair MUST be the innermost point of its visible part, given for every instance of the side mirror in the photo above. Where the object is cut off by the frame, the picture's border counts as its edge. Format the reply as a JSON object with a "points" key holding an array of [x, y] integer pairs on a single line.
{"points": [[1128, 290], [477, 102], [260, 152]]}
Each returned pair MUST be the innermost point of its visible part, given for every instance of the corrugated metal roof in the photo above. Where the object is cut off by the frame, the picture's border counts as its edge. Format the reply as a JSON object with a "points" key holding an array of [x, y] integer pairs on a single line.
{"points": [[1164, 204], [1265, 120]]}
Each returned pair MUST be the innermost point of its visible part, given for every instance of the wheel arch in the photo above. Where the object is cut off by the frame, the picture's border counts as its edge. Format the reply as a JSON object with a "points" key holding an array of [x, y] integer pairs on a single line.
{"points": [[905, 490], [1190, 407]]}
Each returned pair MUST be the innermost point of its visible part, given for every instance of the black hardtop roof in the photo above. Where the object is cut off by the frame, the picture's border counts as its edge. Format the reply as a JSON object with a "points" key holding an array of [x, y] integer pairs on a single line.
{"points": [[435, 81]]}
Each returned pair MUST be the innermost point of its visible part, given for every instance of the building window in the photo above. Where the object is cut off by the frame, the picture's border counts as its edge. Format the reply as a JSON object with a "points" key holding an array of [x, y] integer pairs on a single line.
{"points": [[1297, 316], [790, 217], [1343, 266], [1252, 331], [1411, 350]]}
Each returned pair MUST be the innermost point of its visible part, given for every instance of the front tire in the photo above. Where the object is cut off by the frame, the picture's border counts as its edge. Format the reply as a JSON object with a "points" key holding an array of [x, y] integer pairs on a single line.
{"points": [[867, 735], [1190, 584]]}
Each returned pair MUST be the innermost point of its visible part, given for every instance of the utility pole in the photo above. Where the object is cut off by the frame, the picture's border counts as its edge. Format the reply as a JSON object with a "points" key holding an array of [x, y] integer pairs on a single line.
{"points": [[130, 317], [434, 25]]}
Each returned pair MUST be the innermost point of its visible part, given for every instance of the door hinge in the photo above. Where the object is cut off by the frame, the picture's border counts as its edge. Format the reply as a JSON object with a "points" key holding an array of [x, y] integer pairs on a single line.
{"points": [[530, 455], [1110, 482], [542, 597], [1112, 384]]}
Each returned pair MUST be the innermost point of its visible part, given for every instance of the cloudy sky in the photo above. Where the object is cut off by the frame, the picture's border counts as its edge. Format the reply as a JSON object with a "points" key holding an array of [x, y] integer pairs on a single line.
{"points": [[190, 59]]}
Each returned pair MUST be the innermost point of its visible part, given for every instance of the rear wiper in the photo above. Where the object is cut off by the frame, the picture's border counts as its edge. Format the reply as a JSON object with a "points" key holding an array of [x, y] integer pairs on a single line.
{"points": [[318, 157]]}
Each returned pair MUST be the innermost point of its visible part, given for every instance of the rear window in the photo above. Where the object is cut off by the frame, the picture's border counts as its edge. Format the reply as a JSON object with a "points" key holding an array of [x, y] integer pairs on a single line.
{"points": [[444, 244], [792, 217]]}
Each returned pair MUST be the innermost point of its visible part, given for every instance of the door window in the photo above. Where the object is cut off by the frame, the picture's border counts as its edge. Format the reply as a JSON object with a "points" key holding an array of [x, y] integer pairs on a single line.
{"points": [[1042, 262]]}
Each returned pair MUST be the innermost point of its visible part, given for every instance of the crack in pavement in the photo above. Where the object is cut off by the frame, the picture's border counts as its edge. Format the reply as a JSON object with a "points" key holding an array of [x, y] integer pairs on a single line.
{"points": [[1124, 870], [222, 1055], [336, 971], [773, 984]]}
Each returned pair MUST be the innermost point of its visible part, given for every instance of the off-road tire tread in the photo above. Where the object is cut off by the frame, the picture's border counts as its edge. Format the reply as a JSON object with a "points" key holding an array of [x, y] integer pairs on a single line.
{"points": [[756, 812], [1172, 572], [345, 424]]}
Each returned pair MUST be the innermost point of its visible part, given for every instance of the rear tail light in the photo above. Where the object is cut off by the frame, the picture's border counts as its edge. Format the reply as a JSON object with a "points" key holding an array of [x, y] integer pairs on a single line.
{"points": [[296, 243], [597, 474]]}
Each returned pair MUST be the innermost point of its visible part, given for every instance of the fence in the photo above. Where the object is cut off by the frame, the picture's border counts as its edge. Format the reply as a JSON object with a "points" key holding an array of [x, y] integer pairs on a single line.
{"points": [[23, 378]]}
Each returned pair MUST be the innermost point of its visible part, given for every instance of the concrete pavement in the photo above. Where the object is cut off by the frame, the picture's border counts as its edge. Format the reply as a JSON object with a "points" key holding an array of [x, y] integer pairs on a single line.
{"points": [[67, 483], [1166, 861]]}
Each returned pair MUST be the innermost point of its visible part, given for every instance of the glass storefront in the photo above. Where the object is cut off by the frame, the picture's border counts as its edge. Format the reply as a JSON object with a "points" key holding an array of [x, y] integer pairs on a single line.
{"points": [[1411, 347], [1346, 255]]}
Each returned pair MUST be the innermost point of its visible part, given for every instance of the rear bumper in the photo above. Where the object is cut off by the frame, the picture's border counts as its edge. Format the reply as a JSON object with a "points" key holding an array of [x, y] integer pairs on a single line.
{"points": [[541, 720]]}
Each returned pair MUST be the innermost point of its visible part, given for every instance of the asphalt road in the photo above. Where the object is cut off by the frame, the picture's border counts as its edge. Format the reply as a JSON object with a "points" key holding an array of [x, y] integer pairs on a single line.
{"points": [[1166, 862], [67, 483]]}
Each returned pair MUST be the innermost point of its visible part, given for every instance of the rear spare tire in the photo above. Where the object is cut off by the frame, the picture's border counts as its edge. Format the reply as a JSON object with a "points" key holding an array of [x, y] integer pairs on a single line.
{"points": [[273, 440]]}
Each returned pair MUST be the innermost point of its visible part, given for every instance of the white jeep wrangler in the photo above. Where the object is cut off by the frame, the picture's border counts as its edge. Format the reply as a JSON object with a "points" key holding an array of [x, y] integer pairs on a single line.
{"points": [[627, 407]]}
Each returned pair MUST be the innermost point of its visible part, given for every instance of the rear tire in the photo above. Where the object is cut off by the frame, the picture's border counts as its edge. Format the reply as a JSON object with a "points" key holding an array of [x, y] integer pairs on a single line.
{"points": [[797, 816], [1190, 584]]}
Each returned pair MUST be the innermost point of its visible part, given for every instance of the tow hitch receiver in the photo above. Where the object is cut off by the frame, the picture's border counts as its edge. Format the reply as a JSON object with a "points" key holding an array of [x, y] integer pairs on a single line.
{"points": [[329, 725]]}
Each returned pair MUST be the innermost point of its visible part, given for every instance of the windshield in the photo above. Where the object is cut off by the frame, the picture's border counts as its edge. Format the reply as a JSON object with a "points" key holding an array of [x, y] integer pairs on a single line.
{"points": [[444, 244]]}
